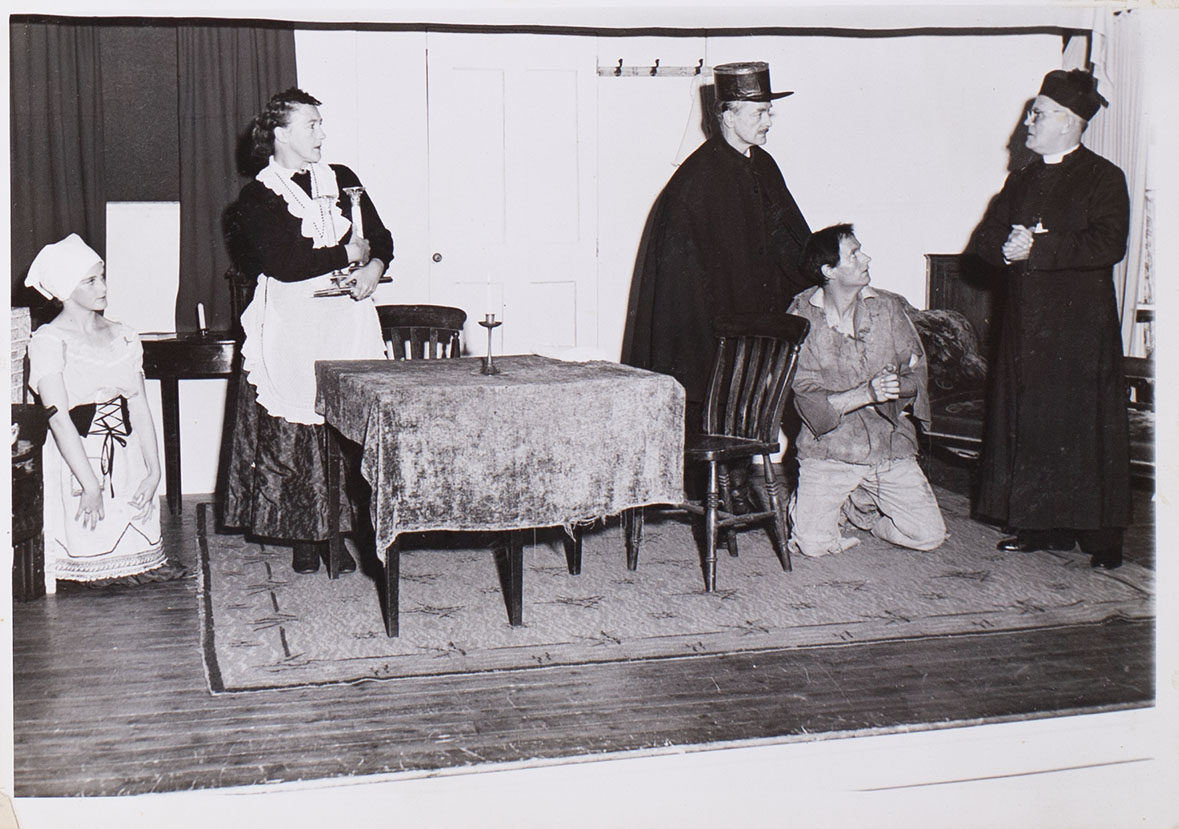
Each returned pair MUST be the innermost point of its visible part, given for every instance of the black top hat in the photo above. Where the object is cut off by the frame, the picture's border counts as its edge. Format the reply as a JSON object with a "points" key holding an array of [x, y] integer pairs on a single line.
{"points": [[1075, 90], [745, 82]]}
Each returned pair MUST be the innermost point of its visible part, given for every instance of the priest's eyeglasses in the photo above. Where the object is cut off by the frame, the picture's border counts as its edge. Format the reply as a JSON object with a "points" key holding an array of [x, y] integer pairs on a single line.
{"points": [[1033, 115]]}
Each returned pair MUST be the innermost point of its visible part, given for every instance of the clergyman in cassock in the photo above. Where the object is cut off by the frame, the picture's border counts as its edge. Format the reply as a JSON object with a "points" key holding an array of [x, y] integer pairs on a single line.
{"points": [[1055, 462]]}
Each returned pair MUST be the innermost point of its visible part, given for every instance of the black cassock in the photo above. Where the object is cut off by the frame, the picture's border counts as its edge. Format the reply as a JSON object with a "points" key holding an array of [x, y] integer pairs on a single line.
{"points": [[725, 236], [1056, 446]]}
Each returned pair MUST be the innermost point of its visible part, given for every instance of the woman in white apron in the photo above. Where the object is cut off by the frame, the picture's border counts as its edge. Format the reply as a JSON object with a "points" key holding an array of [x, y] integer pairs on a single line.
{"points": [[102, 468], [292, 229]]}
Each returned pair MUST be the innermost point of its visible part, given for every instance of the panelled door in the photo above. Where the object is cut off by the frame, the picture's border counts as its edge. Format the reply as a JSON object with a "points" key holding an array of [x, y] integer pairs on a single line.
{"points": [[513, 217]]}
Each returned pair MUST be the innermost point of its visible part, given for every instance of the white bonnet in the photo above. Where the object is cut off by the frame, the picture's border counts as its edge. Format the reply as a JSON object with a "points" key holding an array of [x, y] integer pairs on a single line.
{"points": [[59, 267]]}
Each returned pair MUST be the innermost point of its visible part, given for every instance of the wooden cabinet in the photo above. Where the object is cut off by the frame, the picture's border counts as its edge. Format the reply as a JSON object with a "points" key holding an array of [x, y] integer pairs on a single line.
{"points": [[28, 500], [961, 282]]}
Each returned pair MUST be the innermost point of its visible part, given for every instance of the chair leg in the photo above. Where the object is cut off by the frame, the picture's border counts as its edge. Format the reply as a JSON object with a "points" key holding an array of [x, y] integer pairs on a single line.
{"points": [[632, 527], [710, 520], [779, 513], [726, 502]]}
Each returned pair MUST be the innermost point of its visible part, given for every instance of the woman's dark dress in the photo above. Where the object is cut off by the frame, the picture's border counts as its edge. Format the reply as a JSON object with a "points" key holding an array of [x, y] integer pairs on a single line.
{"points": [[276, 484]]}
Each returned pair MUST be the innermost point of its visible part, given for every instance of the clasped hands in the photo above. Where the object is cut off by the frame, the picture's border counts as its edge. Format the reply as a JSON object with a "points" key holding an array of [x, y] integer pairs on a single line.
{"points": [[1018, 246], [363, 281], [886, 385]]}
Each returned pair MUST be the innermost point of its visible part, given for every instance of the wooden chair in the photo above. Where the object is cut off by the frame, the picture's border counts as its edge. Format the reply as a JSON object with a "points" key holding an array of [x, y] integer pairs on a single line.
{"points": [[756, 357], [241, 291], [429, 331]]}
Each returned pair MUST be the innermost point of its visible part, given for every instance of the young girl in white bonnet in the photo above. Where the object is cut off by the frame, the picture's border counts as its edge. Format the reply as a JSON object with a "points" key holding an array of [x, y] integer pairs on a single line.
{"points": [[102, 468]]}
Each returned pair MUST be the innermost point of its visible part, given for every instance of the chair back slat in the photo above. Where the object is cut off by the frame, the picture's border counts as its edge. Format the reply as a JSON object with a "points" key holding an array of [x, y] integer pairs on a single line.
{"points": [[750, 382], [763, 391], [733, 413], [756, 357], [416, 332]]}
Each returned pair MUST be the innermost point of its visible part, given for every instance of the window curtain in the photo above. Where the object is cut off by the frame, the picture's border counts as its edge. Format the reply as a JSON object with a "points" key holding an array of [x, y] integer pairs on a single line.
{"points": [[1119, 133], [226, 76], [56, 143]]}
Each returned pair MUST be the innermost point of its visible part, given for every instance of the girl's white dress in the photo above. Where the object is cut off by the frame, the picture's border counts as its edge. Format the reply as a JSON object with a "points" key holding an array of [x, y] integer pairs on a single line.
{"points": [[121, 544]]}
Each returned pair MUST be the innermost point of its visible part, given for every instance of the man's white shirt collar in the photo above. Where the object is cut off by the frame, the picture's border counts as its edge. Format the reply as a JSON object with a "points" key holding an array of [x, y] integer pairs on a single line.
{"points": [[833, 321], [817, 298], [1056, 158]]}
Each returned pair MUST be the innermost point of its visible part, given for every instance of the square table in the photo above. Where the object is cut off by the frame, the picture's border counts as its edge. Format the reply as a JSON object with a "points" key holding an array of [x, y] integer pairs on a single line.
{"points": [[543, 443]]}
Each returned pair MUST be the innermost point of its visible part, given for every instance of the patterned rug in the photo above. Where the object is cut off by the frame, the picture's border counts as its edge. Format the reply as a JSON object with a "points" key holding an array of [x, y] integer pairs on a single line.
{"points": [[265, 627]]}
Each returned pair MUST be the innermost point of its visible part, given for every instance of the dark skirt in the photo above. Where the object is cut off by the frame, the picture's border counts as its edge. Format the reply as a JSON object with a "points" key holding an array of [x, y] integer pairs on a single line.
{"points": [[276, 484]]}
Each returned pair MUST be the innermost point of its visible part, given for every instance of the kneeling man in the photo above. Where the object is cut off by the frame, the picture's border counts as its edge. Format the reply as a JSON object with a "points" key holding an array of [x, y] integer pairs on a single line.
{"points": [[860, 369]]}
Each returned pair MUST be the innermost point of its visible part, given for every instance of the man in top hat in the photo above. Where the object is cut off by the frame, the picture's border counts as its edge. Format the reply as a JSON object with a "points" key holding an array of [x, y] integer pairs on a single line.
{"points": [[725, 236], [1055, 463]]}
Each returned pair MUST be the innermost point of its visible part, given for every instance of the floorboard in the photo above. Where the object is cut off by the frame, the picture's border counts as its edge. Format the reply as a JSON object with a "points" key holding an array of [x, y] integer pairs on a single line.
{"points": [[110, 698]]}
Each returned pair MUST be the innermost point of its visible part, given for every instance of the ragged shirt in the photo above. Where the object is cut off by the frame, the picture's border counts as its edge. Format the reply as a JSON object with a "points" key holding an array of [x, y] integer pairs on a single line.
{"points": [[832, 361]]}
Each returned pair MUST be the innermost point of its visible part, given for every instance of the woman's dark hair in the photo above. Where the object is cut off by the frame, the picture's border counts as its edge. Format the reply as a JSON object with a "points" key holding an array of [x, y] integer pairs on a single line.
{"points": [[277, 114], [822, 248]]}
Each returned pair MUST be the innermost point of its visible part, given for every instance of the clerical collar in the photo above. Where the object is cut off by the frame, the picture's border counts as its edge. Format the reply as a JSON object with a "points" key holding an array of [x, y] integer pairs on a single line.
{"points": [[1056, 158]]}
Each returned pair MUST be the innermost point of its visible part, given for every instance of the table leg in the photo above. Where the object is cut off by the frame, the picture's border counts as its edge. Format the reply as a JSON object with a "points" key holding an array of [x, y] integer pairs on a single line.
{"points": [[573, 551], [335, 540], [516, 578], [392, 581], [170, 405], [632, 528]]}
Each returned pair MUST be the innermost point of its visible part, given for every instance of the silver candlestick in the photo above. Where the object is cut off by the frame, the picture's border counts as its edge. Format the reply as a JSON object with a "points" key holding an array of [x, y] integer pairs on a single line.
{"points": [[489, 322], [357, 216]]}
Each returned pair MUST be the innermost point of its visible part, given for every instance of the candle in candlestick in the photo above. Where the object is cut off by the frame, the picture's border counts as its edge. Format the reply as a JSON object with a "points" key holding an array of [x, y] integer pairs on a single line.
{"points": [[357, 222], [201, 316], [357, 216]]}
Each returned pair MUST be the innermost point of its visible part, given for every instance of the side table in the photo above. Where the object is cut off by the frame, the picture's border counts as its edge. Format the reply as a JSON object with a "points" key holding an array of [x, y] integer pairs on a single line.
{"points": [[171, 358]]}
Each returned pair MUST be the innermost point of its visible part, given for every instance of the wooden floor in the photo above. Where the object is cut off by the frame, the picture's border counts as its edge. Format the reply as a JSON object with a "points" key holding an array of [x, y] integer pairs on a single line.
{"points": [[110, 697]]}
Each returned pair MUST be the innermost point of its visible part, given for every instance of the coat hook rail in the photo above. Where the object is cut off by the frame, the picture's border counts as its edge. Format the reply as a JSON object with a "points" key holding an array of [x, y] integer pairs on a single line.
{"points": [[653, 71]]}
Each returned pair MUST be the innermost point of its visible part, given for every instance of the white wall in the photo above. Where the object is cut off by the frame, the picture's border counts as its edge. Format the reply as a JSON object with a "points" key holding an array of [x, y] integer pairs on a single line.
{"points": [[373, 89], [904, 136], [143, 272]]}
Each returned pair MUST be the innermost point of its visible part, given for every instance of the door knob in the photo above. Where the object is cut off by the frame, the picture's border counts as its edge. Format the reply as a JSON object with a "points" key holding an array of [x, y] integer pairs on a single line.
{"points": [[437, 257]]}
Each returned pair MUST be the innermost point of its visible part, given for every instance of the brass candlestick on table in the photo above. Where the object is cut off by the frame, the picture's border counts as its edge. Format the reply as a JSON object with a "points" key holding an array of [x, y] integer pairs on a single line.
{"points": [[489, 322]]}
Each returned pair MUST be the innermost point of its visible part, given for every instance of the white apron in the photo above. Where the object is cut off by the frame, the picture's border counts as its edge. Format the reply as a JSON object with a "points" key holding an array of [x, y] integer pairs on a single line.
{"points": [[287, 327]]}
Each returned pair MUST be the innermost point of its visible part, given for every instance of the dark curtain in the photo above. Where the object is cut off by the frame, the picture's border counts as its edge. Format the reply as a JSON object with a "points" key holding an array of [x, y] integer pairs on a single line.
{"points": [[56, 135], [226, 76]]}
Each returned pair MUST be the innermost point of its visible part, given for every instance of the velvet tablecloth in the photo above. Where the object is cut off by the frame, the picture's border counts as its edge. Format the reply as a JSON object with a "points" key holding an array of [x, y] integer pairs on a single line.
{"points": [[541, 444]]}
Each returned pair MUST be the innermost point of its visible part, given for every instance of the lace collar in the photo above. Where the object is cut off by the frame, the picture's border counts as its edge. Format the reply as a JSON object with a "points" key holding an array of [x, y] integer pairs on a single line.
{"points": [[322, 221]]}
